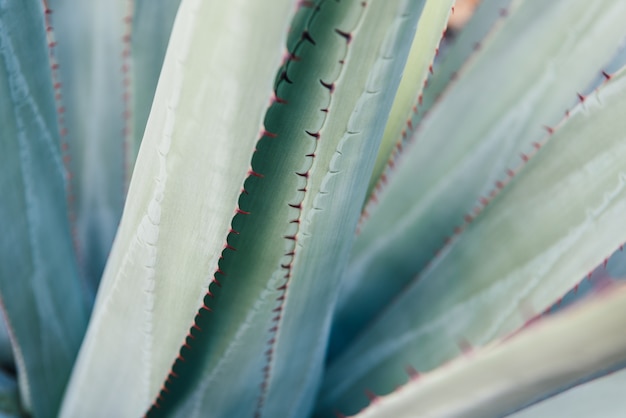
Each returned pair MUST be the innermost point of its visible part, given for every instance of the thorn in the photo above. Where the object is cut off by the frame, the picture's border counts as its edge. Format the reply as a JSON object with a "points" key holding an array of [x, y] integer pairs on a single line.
{"points": [[347, 36], [329, 86], [306, 36], [606, 75], [413, 374], [464, 345], [549, 129], [581, 97], [371, 395]]}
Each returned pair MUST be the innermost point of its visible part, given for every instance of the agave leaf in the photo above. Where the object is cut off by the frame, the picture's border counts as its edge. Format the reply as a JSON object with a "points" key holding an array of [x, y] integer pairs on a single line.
{"points": [[400, 127], [485, 23], [450, 169], [90, 83], [151, 28], [265, 335], [603, 396], [41, 294], [193, 161], [547, 358], [610, 271], [108, 56], [10, 406], [425, 43], [559, 217], [6, 352]]}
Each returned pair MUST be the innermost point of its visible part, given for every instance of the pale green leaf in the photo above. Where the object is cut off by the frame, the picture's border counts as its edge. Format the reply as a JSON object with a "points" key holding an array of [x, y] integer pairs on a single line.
{"points": [[190, 169], [601, 397], [429, 32], [559, 218], [41, 295], [269, 321], [544, 359], [471, 144]]}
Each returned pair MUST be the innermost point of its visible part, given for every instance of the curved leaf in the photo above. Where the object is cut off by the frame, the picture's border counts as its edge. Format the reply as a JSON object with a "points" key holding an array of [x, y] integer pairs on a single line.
{"points": [[429, 32], [191, 167], [559, 217], [452, 168], [268, 319], [41, 295], [548, 357]]}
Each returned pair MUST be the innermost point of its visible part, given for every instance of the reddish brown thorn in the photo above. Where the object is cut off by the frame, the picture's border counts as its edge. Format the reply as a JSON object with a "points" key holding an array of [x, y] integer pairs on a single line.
{"points": [[305, 175], [606, 75], [315, 135], [306, 36], [430, 68], [294, 57], [279, 100], [329, 86], [206, 308], [230, 247], [524, 157], [413, 374], [537, 145], [284, 77], [347, 36], [290, 237], [241, 212], [581, 97], [180, 358], [196, 327], [549, 129], [268, 134], [295, 206], [510, 173], [371, 395], [464, 345], [253, 173]]}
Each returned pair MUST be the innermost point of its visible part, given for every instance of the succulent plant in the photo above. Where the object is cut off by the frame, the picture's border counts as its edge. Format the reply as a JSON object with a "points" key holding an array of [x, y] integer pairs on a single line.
{"points": [[322, 208]]}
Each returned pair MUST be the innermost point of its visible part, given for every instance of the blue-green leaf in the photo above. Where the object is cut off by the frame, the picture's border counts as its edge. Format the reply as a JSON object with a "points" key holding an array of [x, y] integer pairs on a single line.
{"points": [[41, 294]]}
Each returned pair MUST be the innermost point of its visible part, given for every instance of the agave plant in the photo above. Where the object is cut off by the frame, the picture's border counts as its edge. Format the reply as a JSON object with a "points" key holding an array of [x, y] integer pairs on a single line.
{"points": [[335, 209]]}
